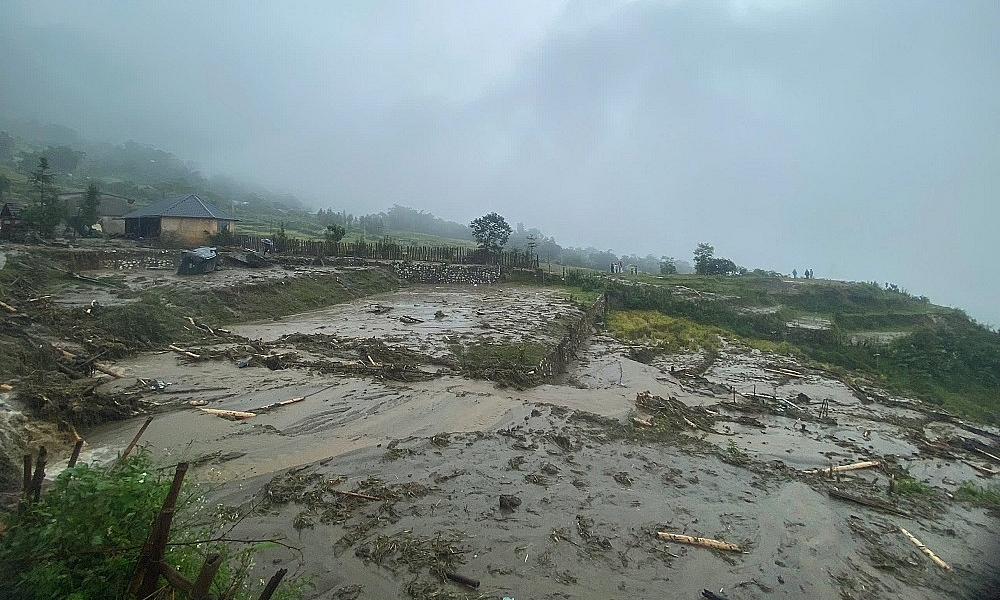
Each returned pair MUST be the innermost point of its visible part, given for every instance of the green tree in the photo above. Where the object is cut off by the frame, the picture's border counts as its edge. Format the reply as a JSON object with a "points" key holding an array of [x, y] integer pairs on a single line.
{"points": [[87, 212], [667, 265], [49, 211], [335, 233], [491, 231], [703, 256]]}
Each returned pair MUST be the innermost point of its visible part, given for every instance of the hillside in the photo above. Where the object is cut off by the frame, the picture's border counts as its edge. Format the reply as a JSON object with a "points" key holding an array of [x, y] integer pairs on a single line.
{"points": [[867, 334]]}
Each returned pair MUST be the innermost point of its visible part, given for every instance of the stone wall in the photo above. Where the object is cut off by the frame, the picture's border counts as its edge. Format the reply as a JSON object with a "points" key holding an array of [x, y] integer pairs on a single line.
{"points": [[92, 260], [560, 356], [420, 272]]}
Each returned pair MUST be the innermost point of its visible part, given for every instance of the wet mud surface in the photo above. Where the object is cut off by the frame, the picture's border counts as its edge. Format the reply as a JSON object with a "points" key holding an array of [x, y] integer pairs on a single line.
{"points": [[556, 491]]}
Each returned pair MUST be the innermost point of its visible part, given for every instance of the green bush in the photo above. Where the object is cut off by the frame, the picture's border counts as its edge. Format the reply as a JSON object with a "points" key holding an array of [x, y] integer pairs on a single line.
{"points": [[82, 539]]}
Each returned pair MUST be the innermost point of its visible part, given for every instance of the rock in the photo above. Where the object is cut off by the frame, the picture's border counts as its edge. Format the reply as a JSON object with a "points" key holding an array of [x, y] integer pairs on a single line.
{"points": [[509, 503]]}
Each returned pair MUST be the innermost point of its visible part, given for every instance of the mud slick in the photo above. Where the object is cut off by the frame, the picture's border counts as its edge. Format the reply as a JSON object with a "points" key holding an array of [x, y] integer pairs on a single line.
{"points": [[391, 468]]}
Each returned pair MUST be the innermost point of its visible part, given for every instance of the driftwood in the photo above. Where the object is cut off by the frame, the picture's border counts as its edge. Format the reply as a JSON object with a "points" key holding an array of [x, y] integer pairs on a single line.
{"points": [[186, 353], [851, 467], [410, 320], [642, 422], [275, 405], [5, 387], [236, 415], [926, 550], [200, 325], [697, 541], [835, 493], [91, 361], [8, 307]]}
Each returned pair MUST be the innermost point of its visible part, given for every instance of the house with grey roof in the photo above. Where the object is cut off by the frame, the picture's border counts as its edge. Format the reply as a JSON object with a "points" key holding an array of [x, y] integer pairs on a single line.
{"points": [[186, 219]]}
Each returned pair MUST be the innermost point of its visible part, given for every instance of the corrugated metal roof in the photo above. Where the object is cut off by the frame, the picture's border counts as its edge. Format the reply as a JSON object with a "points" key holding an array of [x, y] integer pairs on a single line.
{"points": [[185, 207]]}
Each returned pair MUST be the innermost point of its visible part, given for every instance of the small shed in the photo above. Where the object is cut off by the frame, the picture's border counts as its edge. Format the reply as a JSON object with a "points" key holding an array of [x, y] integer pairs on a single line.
{"points": [[188, 219], [10, 220]]}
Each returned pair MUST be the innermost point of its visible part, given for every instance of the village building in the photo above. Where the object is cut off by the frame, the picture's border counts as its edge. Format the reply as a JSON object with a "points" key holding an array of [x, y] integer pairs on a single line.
{"points": [[187, 219], [10, 221]]}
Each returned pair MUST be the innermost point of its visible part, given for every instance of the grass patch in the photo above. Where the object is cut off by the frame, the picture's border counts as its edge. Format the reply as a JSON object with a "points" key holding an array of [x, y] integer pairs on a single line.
{"points": [[987, 497], [669, 334], [514, 365], [908, 486]]}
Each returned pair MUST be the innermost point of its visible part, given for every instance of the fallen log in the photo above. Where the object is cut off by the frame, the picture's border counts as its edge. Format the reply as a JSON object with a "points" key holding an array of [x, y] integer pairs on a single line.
{"points": [[870, 502], [274, 405], [926, 550], [8, 307], [236, 415], [851, 467], [697, 541], [186, 353]]}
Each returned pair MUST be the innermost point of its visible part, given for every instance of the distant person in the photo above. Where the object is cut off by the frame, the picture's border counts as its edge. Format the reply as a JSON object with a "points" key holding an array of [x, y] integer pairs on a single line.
{"points": [[795, 274], [267, 246]]}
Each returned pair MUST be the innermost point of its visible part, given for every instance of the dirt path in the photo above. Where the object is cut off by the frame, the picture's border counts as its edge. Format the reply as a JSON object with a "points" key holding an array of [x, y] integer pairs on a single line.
{"points": [[591, 490]]}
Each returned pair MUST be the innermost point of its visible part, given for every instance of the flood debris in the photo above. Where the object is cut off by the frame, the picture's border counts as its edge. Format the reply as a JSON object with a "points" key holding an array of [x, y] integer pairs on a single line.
{"points": [[204, 259], [866, 464], [870, 502]]}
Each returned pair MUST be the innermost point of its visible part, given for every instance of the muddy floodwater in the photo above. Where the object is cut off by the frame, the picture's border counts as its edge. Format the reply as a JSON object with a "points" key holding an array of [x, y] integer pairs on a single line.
{"points": [[555, 491]]}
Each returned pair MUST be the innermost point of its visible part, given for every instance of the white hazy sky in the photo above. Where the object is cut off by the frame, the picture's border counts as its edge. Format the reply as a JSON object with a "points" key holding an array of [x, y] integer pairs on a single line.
{"points": [[859, 139]]}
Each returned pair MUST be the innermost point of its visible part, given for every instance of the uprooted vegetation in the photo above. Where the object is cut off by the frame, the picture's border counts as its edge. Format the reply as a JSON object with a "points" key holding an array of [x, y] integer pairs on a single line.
{"points": [[936, 354]]}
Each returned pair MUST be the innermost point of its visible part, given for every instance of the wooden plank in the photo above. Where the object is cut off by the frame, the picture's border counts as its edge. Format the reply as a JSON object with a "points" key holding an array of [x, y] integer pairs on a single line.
{"points": [[237, 415], [851, 467]]}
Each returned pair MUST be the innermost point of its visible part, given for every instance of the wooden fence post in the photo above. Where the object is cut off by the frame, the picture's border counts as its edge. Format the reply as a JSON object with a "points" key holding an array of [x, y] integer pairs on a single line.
{"points": [[147, 573], [39, 477], [76, 454], [199, 591], [272, 585]]}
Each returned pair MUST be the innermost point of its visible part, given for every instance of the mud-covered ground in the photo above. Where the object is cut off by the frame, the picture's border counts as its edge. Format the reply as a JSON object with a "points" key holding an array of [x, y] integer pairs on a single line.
{"points": [[585, 488]]}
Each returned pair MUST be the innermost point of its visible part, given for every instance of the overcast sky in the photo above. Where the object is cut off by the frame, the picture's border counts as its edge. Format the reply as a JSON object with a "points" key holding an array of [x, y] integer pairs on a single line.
{"points": [[859, 139]]}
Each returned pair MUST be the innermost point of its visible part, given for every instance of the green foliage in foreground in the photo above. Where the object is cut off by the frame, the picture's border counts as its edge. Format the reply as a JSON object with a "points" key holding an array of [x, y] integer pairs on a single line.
{"points": [[82, 540]]}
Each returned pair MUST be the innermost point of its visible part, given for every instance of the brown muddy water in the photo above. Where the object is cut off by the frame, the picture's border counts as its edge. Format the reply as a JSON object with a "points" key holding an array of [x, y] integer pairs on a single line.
{"points": [[591, 489]]}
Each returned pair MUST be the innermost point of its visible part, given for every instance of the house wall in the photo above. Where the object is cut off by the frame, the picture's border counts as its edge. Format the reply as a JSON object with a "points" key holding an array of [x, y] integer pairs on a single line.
{"points": [[194, 231], [112, 225]]}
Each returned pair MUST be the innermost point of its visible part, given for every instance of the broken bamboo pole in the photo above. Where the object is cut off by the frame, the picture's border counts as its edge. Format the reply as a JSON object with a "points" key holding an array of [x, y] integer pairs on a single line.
{"points": [[272, 585], [76, 454], [851, 467], [697, 541], [134, 441], [236, 415], [274, 405], [926, 550], [186, 353]]}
